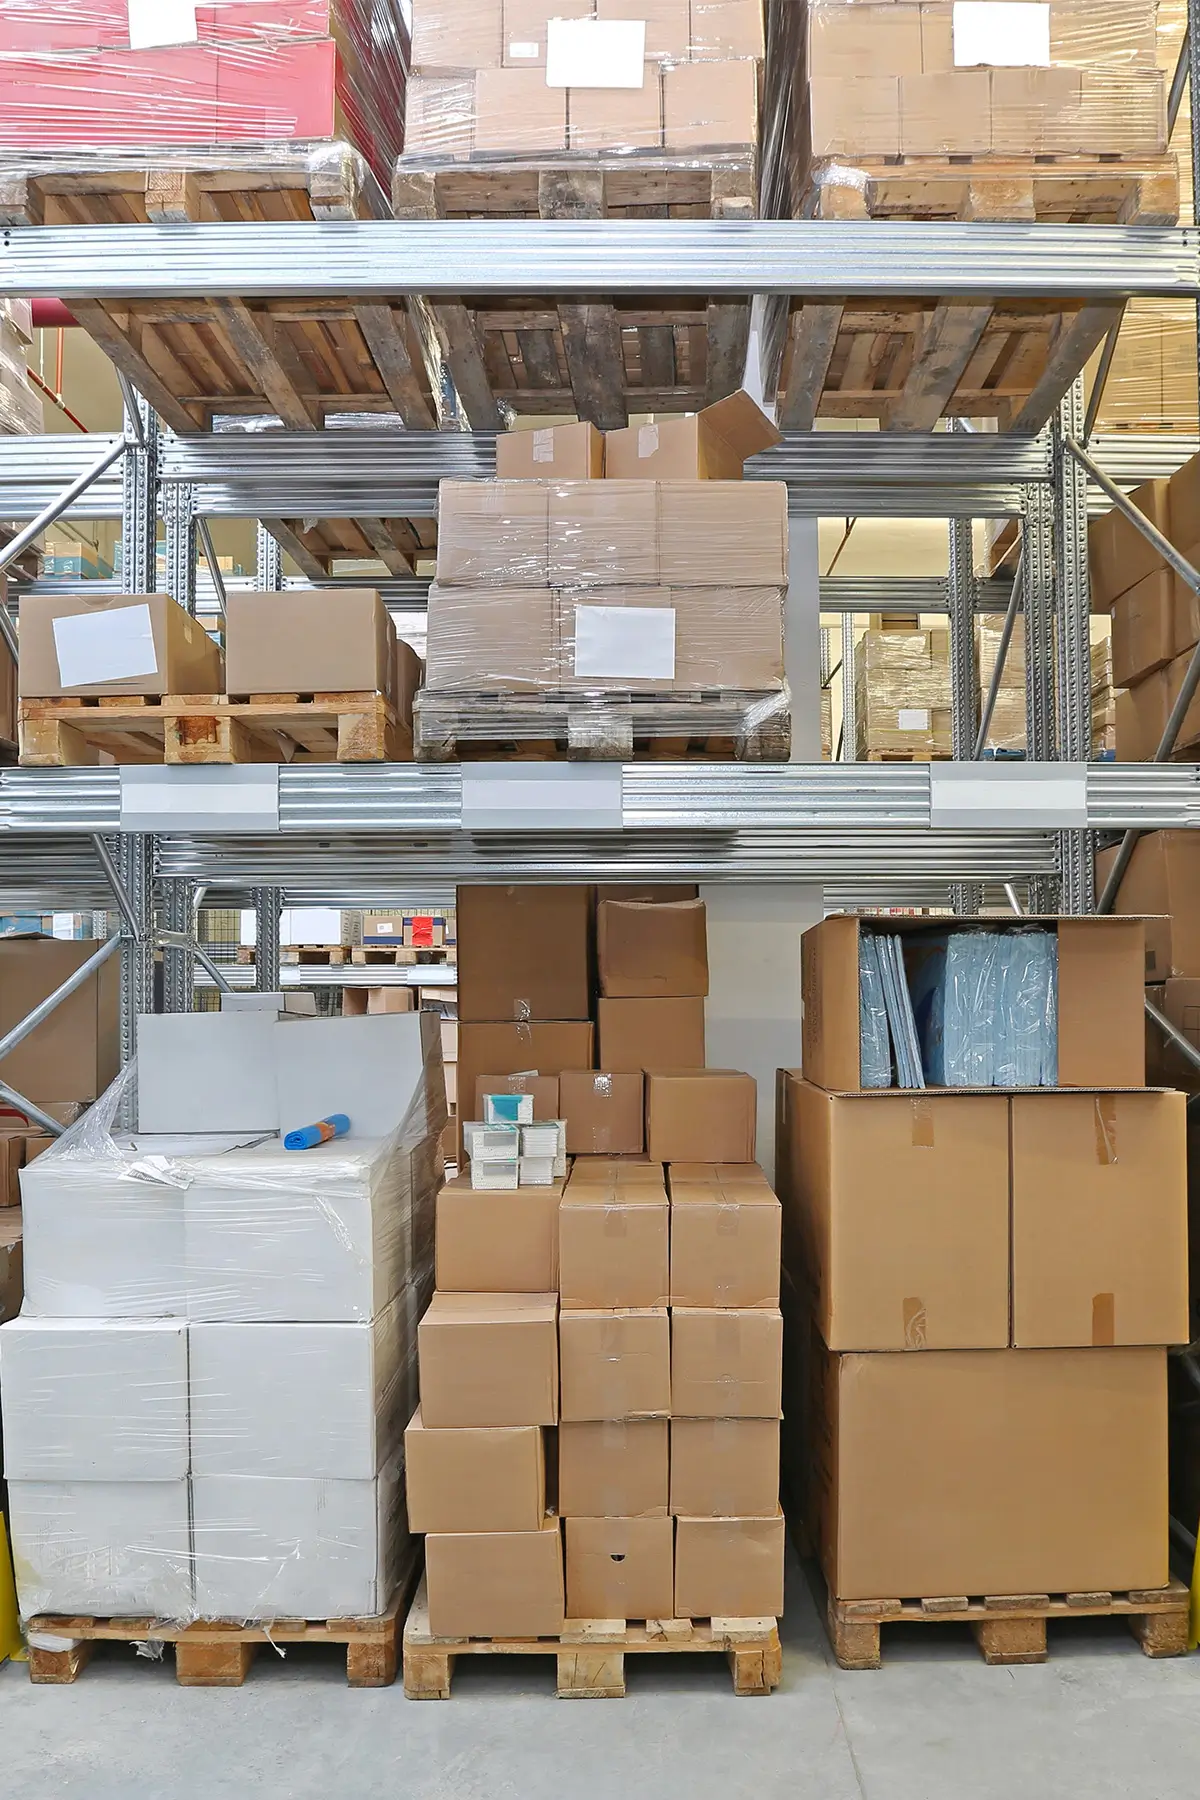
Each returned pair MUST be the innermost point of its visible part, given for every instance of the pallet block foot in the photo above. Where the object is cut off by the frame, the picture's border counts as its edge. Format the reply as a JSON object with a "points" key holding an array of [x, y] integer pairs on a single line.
{"points": [[855, 1641], [1011, 1640], [756, 1671], [1161, 1634], [591, 1674], [372, 1662], [427, 1674], [205, 1663], [58, 1668]]}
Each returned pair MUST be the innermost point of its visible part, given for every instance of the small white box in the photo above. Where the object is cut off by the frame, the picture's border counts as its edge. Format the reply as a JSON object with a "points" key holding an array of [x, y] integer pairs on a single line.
{"points": [[492, 1143], [508, 1109], [102, 1547], [537, 1171], [207, 1072], [98, 1244], [296, 1004], [540, 1140], [496, 1177]]}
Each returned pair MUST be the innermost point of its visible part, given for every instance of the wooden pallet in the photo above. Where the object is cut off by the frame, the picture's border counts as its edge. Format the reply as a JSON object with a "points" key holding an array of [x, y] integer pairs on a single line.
{"points": [[1011, 1628], [723, 726], [591, 1652], [603, 361], [209, 728], [394, 956], [326, 956], [906, 756], [908, 363]]}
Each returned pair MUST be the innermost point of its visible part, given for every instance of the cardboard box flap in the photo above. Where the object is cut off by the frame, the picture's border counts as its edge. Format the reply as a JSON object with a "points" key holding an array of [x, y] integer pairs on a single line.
{"points": [[740, 422]]}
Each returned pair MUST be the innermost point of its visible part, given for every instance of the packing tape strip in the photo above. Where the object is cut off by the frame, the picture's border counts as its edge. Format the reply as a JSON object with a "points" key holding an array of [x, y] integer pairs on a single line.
{"points": [[1106, 1129], [1104, 1320], [922, 1125], [616, 1218], [916, 1324]]}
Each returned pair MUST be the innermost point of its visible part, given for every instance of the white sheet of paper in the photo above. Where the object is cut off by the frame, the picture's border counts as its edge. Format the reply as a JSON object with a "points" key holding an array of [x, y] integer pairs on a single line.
{"points": [[105, 646], [1005, 34], [630, 643], [596, 53], [155, 22], [913, 718], [647, 441]]}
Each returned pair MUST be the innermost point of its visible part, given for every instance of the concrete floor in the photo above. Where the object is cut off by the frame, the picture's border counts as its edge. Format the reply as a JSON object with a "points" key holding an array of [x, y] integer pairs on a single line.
{"points": [[1098, 1720]]}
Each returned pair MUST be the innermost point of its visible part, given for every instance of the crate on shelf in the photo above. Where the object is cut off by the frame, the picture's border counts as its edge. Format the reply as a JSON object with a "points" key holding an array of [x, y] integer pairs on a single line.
{"points": [[208, 728], [721, 725]]}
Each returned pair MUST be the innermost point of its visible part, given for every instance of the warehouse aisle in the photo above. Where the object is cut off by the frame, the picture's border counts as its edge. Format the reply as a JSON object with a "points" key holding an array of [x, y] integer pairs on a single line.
{"points": [[936, 1724]]}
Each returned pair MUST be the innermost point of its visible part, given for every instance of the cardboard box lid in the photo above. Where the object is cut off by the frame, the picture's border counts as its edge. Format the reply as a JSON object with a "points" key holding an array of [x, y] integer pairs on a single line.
{"points": [[743, 1184], [718, 439], [491, 1309]]}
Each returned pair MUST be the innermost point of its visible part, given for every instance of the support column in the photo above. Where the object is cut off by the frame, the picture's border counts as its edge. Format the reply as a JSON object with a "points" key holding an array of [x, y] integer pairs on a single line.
{"points": [[1074, 661], [849, 701], [179, 513], [136, 862], [1037, 536], [804, 641], [268, 905], [268, 574], [179, 966], [966, 897], [139, 572]]}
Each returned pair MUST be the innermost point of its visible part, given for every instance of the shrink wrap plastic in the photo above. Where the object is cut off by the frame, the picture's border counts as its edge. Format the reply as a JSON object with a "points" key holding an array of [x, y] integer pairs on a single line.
{"points": [[902, 693]]}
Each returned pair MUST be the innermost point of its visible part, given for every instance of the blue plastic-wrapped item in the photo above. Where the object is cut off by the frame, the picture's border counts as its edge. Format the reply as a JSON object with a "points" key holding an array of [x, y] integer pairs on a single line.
{"points": [[1029, 1010], [875, 1050], [986, 1006]]}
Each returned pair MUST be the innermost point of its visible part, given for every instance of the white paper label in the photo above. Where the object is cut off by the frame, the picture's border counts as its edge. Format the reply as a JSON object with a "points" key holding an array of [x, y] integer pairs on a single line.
{"points": [[647, 441], [383, 927], [543, 446], [105, 646], [625, 643], [596, 53], [1005, 34], [156, 22], [523, 52], [912, 718]]}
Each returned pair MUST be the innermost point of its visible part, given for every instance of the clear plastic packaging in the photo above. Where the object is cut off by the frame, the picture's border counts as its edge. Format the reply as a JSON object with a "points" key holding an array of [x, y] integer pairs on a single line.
{"points": [[20, 404], [902, 694], [1151, 385], [986, 1006], [1007, 728], [875, 1048]]}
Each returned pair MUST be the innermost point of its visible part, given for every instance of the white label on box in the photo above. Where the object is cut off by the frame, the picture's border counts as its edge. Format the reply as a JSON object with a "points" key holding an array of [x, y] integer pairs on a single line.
{"points": [[913, 718], [628, 643], [1005, 34], [596, 53], [383, 928], [647, 441], [105, 646], [155, 22], [543, 446], [523, 52]]}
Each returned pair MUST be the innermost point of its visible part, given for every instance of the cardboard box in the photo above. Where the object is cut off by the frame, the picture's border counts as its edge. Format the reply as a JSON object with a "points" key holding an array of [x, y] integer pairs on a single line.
{"points": [[848, 41], [618, 119], [1099, 1219], [489, 1359], [725, 1238], [652, 891], [856, 115], [603, 535], [613, 1469], [1101, 1036], [604, 1113], [439, 117], [8, 682], [497, 1242], [701, 1116], [1035, 111], [876, 1228], [445, 36], [1163, 878], [724, 1468], [12, 1266], [617, 1173], [80, 644], [554, 453], [1143, 629], [545, 1046], [506, 1584], [543, 1089], [523, 954], [76, 1050], [620, 1568], [729, 1568], [498, 638], [652, 952], [615, 1364], [409, 675], [482, 1480], [614, 1248], [668, 37], [723, 30], [943, 115], [1118, 555], [207, 1072], [725, 1364], [492, 533], [710, 445], [1179, 1000], [102, 1547], [650, 1034], [706, 104], [326, 640], [362, 1003], [525, 28], [722, 533], [515, 111], [991, 1472]]}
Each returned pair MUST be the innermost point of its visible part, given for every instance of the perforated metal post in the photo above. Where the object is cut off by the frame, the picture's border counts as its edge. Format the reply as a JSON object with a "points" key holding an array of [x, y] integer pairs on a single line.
{"points": [[849, 700], [268, 573], [1074, 660], [965, 896], [268, 905], [1037, 538], [179, 514], [139, 570], [179, 967], [135, 861]]}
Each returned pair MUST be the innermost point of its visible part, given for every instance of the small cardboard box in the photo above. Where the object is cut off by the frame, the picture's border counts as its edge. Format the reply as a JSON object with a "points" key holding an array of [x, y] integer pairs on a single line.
{"points": [[498, 638], [668, 34], [12, 1286], [710, 104], [76, 1049], [613, 1469], [620, 1568], [726, 1365], [552, 453], [489, 1359], [652, 952], [618, 118], [1163, 878], [506, 1584], [1179, 1000], [615, 1364], [525, 24], [701, 1116], [325, 640], [359, 1003], [1143, 629], [142, 644], [710, 445], [481, 1480], [849, 41], [602, 535], [944, 115], [543, 1089], [523, 954], [492, 533], [614, 1247], [726, 1225], [604, 1112], [448, 37], [722, 533], [1118, 554], [497, 1242], [651, 1034], [855, 115], [410, 673], [515, 111], [725, 30], [729, 1568], [724, 1468]]}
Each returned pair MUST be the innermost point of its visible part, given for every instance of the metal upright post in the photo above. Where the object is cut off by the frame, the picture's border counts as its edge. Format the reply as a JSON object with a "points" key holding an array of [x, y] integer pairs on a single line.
{"points": [[965, 896], [179, 966], [849, 700], [1037, 566], [139, 572], [179, 513], [268, 575], [1074, 658], [135, 862], [268, 905]]}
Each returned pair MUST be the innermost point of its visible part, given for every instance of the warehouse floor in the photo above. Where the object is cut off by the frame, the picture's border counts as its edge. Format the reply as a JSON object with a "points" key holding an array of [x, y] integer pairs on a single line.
{"points": [[936, 1724]]}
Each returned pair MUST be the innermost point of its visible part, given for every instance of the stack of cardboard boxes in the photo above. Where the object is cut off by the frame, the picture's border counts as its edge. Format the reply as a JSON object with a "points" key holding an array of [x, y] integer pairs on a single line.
{"points": [[1105, 695], [902, 695], [979, 1286], [1007, 729], [20, 407]]}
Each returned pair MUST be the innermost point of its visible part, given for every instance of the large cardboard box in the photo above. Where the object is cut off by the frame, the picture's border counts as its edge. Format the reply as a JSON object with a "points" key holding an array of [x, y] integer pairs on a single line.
{"points": [[710, 104], [626, 119], [724, 1468], [946, 115], [1179, 1000], [1143, 629], [488, 1479], [726, 1364], [620, 1568], [722, 534], [497, 1242], [615, 1364], [492, 533], [652, 952], [523, 954], [515, 111], [506, 1584], [1162, 883], [79, 644], [1101, 1035], [102, 1547], [724, 30], [613, 1469], [1118, 554], [490, 639], [446, 36], [668, 32], [725, 1237], [701, 1116], [489, 1359], [75, 1051], [990, 1472], [650, 1034], [554, 453], [545, 1046], [876, 1229], [854, 115], [604, 1112], [729, 1568], [324, 640], [525, 24], [710, 445], [602, 535], [615, 1247], [1099, 1219]]}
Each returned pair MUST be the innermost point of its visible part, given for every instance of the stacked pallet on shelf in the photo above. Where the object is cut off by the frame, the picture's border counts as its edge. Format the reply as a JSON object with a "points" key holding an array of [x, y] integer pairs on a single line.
{"points": [[902, 696], [20, 406], [1105, 696], [983, 1389], [1006, 733]]}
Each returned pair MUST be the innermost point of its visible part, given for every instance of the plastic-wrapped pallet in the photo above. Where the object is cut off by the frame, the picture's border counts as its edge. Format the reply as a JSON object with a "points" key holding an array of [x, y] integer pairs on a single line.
{"points": [[1007, 729], [902, 695], [20, 405], [1104, 700]]}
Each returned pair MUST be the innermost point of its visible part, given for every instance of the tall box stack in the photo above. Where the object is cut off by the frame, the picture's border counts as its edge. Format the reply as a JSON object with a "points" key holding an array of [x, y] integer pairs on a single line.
{"points": [[1006, 732], [205, 1394], [902, 696], [20, 405], [983, 1387], [1105, 695]]}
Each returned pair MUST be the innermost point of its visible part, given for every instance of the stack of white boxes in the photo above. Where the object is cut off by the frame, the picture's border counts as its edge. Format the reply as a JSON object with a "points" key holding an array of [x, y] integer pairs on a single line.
{"points": [[204, 1397], [508, 1150]]}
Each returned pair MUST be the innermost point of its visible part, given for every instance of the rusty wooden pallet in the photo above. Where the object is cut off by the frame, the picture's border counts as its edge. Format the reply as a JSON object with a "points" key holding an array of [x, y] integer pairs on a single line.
{"points": [[722, 726], [209, 728], [591, 1653], [395, 956], [1011, 1628], [533, 354]]}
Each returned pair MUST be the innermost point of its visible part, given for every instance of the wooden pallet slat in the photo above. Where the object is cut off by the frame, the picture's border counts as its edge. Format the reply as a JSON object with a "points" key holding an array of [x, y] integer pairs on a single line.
{"points": [[197, 729], [724, 724]]}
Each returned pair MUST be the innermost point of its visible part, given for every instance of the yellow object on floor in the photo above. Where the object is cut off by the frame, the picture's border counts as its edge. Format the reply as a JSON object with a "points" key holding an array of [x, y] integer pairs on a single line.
{"points": [[11, 1646], [1194, 1627]]}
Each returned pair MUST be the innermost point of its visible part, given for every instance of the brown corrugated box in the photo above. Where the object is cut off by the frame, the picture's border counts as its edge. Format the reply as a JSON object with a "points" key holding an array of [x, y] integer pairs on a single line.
{"points": [[506, 1584], [493, 533], [76, 1050], [11, 1266], [614, 1246], [701, 1115], [854, 116], [668, 25], [725, 1237], [525, 24], [1152, 623], [604, 535], [8, 682], [409, 674], [547, 1046], [439, 116], [486, 1479], [449, 36], [653, 892], [489, 1359], [1118, 555], [846, 41], [651, 1034], [729, 1568], [1163, 878], [990, 1472], [722, 533], [617, 1172], [709, 445], [604, 1113], [543, 1088], [942, 115], [187, 661], [323, 640], [613, 1468], [1101, 1040], [724, 1468], [725, 1364], [615, 1364], [523, 954], [359, 1003], [602, 118], [652, 951], [723, 637], [1179, 1000], [726, 29], [1035, 111], [706, 104], [555, 453], [516, 111], [497, 1242], [620, 1568], [483, 638]]}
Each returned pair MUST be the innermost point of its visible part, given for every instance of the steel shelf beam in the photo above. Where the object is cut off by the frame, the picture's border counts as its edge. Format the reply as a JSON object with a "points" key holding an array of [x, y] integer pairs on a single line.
{"points": [[242, 976]]}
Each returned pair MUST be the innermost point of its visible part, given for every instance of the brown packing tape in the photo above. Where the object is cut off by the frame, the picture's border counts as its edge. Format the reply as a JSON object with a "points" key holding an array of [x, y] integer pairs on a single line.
{"points": [[725, 1442], [729, 1218], [1104, 1321], [916, 1324], [1106, 1128], [523, 1012], [616, 1221], [922, 1125], [614, 1382], [614, 1435]]}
